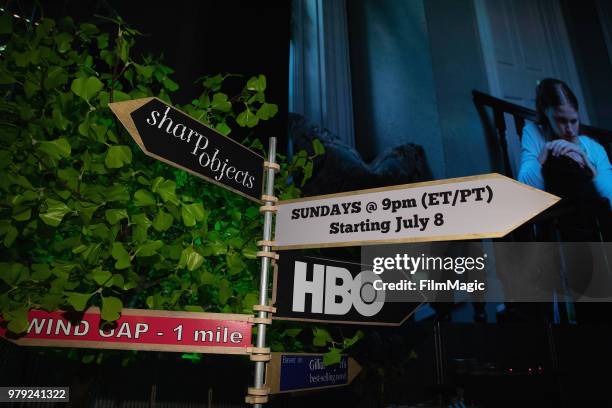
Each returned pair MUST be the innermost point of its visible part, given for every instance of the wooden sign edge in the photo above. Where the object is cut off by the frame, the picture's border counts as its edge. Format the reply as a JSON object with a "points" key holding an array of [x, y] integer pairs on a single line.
{"points": [[91, 344], [275, 388], [481, 177], [125, 117], [394, 187], [169, 313]]}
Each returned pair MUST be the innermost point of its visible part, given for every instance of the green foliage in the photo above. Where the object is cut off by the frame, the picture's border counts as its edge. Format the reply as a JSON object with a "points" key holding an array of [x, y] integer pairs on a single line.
{"points": [[85, 217], [322, 338]]}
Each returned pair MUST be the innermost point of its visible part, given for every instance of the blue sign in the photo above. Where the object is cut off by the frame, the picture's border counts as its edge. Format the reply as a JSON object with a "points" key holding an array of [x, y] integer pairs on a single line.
{"points": [[299, 371]]}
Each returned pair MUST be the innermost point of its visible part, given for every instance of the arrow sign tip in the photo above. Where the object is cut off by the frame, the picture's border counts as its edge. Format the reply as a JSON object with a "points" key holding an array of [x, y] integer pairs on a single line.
{"points": [[353, 369], [123, 112]]}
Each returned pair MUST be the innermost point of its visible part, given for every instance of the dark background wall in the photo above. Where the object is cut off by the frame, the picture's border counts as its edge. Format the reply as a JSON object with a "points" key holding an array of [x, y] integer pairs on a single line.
{"points": [[458, 67], [592, 58], [414, 65], [393, 82], [197, 38]]}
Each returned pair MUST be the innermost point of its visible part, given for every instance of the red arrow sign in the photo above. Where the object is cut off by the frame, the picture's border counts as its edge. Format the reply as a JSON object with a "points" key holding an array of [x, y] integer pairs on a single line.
{"points": [[139, 330]]}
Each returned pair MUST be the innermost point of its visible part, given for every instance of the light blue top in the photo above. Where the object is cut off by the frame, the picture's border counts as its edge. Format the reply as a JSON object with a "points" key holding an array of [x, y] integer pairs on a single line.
{"points": [[530, 172]]}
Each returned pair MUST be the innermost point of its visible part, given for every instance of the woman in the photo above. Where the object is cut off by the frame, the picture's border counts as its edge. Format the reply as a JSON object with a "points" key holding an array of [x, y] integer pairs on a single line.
{"points": [[554, 140], [557, 159]]}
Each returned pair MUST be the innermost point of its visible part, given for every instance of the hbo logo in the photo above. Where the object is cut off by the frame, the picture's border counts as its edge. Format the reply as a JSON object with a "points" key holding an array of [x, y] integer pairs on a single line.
{"points": [[334, 291]]}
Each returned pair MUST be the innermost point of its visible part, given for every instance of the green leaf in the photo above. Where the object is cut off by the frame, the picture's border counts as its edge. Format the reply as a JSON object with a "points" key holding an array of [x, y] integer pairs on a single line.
{"points": [[351, 341], [101, 277], [207, 278], [78, 300], [86, 88], [148, 248], [23, 215], [63, 41], [220, 102], [162, 221], [14, 273], [121, 256], [111, 308], [249, 300], [102, 41], [267, 111], [166, 190], [333, 356], [223, 128], [257, 84], [88, 29], [51, 302], [6, 23], [18, 320], [192, 213], [247, 119], [225, 291], [193, 308], [321, 337], [6, 78], [118, 281], [117, 192], [318, 147], [11, 235], [307, 172], [70, 176], [118, 156], [57, 149], [88, 358], [56, 76], [235, 264], [56, 210], [143, 198], [40, 272], [249, 253], [113, 216], [86, 210], [119, 96], [144, 70], [170, 84], [293, 332], [191, 259]]}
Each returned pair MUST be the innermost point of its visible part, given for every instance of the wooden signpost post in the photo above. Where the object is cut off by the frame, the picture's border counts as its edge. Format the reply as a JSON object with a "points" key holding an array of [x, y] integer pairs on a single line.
{"points": [[152, 330], [486, 206], [291, 372]]}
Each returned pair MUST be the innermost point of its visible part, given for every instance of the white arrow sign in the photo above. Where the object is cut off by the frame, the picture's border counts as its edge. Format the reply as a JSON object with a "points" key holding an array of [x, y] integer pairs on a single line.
{"points": [[485, 206]]}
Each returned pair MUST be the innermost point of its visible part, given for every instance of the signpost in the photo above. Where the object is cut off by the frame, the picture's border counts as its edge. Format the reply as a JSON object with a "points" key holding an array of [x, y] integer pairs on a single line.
{"points": [[169, 135], [331, 291], [289, 372], [173, 137], [152, 330], [486, 206]]}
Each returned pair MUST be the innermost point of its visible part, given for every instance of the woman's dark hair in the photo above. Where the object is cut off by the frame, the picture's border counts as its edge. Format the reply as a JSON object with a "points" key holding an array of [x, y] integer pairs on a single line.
{"points": [[551, 93]]}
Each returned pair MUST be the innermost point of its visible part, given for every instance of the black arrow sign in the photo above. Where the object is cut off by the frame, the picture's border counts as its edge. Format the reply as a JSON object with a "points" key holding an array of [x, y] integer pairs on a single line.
{"points": [[325, 290], [173, 137]]}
